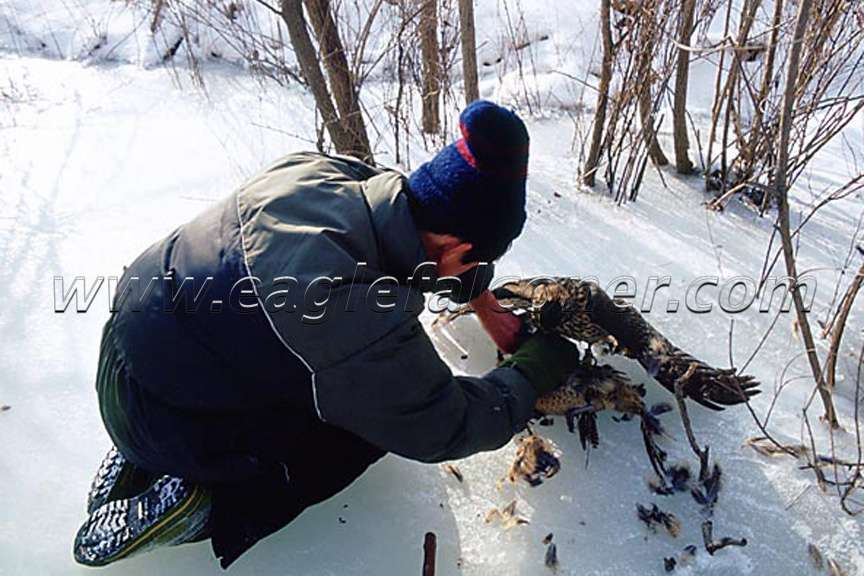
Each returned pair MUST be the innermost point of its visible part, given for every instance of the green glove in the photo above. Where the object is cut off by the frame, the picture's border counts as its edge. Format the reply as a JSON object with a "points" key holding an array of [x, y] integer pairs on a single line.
{"points": [[545, 360]]}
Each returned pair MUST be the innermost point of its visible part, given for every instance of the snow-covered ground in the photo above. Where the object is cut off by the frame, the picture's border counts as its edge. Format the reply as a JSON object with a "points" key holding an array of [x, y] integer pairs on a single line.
{"points": [[98, 159]]}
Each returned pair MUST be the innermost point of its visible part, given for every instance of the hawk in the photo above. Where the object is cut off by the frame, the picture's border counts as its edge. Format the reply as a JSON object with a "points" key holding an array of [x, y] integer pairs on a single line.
{"points": [[581, 311]]}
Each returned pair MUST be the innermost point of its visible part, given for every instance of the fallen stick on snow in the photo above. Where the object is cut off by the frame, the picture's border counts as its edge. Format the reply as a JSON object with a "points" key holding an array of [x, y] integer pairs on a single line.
{"points": [[429, 546]]}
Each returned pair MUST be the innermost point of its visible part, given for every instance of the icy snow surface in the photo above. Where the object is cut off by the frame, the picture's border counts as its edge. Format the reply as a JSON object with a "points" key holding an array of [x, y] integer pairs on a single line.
{"points": [[98, 161]]}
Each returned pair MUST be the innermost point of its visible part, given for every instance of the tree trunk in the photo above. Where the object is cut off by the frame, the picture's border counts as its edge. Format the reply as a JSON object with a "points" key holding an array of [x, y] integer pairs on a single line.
{"points": [[307, 57], [679, 105], [431, 66], [646, 114], [591, 163], [756, 129], [727, 92], [780, 176], [469, 50], [718, 102], [646, 102], [747, 18], [333, 55]]}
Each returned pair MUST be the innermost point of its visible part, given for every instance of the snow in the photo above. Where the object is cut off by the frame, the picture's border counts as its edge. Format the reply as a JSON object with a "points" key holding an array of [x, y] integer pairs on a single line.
{"points": [[100, 158]]}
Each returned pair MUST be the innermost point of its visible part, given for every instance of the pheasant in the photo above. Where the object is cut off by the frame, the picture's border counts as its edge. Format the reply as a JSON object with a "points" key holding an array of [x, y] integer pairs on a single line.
{"points": [[594, 388]]}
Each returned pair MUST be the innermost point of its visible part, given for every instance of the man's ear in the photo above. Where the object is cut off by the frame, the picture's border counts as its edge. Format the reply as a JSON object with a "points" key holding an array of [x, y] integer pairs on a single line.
{"points": [[450, 242], [453, 261], [436, 243]]}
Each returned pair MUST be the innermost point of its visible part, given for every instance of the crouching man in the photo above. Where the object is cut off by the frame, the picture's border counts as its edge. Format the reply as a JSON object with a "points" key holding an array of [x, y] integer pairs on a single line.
{"points": [[231, 416]]}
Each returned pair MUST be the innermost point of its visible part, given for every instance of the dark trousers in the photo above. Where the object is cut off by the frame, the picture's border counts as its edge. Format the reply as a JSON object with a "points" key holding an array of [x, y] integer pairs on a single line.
{"points": [[315, 467], [264, 465]]}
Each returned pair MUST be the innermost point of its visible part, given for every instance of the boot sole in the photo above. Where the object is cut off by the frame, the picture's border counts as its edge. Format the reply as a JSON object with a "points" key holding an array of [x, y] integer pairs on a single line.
{"points": [[121, 528]]}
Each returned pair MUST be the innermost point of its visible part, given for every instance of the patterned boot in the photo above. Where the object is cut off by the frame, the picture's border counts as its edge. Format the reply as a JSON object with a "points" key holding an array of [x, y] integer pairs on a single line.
{"points": [[170, 511]]}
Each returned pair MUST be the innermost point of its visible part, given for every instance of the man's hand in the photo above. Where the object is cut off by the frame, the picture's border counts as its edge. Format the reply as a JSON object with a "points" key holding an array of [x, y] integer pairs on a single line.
{"points": [[504, 327]]}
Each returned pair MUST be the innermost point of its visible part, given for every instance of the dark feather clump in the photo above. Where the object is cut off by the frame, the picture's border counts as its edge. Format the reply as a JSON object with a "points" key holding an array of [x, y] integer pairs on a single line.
{"points": [[652, 422], [551, 559], [708, 490], [651, 429], [547, 465], [588, 430], [660, 408], [676, 479], [679, 477], [654, 517]]}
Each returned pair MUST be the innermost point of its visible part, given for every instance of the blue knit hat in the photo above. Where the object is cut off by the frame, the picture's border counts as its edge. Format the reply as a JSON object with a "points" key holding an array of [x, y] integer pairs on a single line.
{"points": [[475, 187]]}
